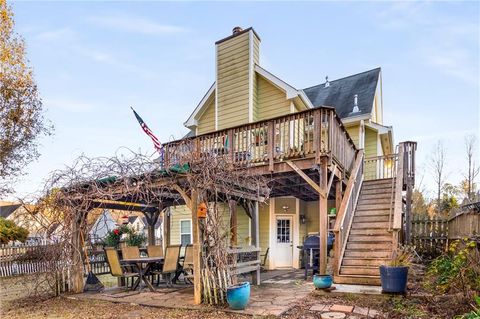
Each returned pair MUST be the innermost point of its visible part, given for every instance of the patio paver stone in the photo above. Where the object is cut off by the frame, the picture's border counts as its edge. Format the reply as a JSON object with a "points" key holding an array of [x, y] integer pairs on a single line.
{"points": [[360, 310], [332, 315], [319, 307], [341, 308]]}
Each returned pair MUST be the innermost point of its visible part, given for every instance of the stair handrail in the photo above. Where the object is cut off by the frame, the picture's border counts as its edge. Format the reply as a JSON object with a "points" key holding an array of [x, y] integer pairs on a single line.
{"points": [[354, 183], [398, 196]]}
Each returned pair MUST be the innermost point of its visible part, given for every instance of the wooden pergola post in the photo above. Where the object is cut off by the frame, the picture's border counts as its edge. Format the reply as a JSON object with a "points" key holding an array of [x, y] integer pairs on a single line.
{"points": [[152, 218], [77, 252], [323, 211], [197, 281]]}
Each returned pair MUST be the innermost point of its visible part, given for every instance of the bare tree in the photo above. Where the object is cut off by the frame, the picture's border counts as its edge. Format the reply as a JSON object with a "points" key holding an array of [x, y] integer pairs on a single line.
{"points": [[472, 172], [437, 166]]}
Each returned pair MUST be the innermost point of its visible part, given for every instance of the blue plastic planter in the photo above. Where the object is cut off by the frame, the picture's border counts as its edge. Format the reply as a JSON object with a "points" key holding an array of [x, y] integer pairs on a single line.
{"points": [[322, 281], [394, 279], [238, 296]]}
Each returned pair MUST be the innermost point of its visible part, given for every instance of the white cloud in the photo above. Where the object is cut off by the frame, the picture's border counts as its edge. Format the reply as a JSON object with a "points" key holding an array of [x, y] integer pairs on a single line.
{"points": [[132, 24], [454, 61], [68, 104], [56, 35], [70, 41], [444, 42]]}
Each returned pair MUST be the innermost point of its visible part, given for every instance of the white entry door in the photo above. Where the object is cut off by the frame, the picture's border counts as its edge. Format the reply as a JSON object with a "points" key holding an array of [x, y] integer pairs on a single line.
{"points": [[284, 241]]}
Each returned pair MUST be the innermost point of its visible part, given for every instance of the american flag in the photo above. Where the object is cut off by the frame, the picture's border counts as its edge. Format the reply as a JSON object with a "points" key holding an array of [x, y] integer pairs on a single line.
{"points": [[156, 143]]}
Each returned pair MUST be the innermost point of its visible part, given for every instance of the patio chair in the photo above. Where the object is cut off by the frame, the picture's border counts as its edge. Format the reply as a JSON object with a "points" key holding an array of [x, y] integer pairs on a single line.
{"points": [[116, 268], [170, 264], [156, 251], [130, 252]]}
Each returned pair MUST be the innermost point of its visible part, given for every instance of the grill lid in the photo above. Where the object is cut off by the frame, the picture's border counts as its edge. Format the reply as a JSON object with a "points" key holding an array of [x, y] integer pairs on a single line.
{"points": [[312, 242]]}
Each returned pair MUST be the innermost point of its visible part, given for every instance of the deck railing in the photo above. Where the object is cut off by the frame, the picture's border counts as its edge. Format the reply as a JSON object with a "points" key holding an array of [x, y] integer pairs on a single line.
{"points": [[379, 167], [311, 133]]}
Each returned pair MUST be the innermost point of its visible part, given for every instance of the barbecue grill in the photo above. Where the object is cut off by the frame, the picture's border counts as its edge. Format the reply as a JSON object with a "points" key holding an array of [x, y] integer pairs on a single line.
{"points": [[311, 252]]}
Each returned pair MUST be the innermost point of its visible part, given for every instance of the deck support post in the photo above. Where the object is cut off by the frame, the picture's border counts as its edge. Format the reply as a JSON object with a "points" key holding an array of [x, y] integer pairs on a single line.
{"points": [[338, 195], [233, 222], [322, 200], [166, 227], [255, 235]]}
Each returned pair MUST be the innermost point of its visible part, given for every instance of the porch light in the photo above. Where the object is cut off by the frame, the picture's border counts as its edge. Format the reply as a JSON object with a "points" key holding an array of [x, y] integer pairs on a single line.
{"points": [[285, 208], [303, 219], [389, 164]]}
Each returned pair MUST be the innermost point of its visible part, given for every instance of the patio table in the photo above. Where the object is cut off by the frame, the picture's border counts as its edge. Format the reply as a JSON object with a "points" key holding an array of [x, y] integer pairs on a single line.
{"points": [[143, 265]]}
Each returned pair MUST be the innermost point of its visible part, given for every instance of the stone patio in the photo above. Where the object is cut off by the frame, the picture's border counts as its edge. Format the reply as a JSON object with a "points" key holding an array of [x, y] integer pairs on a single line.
{"points": [[279, 292], [341, 311]]}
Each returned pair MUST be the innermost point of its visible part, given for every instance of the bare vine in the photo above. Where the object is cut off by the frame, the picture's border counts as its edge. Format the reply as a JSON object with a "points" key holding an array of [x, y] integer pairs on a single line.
{"points": [[90, 184]]}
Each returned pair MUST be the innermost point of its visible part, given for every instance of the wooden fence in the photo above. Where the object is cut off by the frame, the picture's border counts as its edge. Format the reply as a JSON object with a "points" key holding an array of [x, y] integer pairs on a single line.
{"points": [[429, 235], [464, 225]]}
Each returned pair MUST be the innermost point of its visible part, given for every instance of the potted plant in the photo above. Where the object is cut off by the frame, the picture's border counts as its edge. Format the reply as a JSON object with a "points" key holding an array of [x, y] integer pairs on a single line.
{"points": [[238, 295], [394, 275], [322, 281], [113, 237], [135, 239]]}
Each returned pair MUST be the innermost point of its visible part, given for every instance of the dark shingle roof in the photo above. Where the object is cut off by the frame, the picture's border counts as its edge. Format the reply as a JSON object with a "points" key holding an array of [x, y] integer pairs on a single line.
{"points": [[7, 210], [341, 92], [132, 219]]}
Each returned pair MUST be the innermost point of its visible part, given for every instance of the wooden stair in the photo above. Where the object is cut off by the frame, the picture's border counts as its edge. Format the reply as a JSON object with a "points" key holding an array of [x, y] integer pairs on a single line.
{"points": [[369, 242]]}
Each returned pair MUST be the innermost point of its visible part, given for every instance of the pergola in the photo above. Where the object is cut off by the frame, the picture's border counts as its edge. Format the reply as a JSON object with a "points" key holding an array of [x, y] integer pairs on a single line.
{"points": [[153, 193]]}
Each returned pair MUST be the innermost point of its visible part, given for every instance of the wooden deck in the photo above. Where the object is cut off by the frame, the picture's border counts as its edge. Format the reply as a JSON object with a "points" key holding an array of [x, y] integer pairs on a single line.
{"points": [[265, 146]]}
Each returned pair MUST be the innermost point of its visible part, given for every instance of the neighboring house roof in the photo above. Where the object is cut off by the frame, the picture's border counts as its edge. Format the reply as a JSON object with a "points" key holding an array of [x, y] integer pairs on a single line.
{"points": [[157, 224], [131, 219], [340, 93], [7, 208]]}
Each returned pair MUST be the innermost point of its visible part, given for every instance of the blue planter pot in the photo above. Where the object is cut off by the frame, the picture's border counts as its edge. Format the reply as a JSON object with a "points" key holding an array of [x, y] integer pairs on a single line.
{"points": [[238, 296], [322, 281], [394, 279]]}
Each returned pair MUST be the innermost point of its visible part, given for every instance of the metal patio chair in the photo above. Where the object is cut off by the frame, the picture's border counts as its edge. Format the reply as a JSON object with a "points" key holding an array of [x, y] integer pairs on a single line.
{"points": [[117, 269]]}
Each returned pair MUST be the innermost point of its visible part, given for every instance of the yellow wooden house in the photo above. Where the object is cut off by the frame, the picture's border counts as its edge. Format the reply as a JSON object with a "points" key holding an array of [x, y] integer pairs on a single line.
{"points": [[244, 94]]}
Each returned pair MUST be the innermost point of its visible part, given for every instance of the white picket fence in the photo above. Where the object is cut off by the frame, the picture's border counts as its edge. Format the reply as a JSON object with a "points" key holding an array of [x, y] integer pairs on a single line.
{"points": [[12, 262]]}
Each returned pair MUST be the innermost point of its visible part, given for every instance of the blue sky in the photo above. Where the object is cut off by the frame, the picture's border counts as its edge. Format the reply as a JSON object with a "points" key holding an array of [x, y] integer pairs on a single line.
{"points": [[93, 60]]}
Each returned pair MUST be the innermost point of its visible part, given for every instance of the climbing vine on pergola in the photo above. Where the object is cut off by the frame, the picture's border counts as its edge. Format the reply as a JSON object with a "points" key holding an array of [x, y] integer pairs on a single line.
{"points": [[137, 182]]}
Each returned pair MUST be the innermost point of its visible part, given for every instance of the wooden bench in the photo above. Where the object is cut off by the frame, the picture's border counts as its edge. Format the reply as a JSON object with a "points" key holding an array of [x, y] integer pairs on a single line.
{"points": [[251, 266]]}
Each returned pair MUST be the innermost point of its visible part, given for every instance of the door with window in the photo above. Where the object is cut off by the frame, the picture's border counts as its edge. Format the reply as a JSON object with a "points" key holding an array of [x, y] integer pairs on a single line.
{"points": [[284, 241]]}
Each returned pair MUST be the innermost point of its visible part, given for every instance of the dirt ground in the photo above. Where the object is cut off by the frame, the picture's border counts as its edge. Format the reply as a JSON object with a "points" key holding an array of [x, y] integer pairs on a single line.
{"points": [[66, 308], [396, 307]]}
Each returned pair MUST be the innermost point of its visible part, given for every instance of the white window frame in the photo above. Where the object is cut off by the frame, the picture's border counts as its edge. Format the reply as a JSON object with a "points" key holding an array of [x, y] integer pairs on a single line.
{"points": [[191, 229]]}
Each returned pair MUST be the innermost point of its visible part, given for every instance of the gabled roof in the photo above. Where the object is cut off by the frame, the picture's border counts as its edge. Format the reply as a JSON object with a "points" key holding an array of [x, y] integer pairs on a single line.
{"points": [[131, 219], [340, 93], [200, 107], [7, 208]]}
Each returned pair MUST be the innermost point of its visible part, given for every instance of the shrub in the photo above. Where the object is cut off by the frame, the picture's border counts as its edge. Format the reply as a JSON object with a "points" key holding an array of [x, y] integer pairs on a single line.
{"points": [[135, 239], [9, 231], [458, 270]]}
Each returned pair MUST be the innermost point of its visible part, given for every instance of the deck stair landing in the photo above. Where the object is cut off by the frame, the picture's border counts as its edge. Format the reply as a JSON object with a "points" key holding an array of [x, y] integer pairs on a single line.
{"points": [[369, 242]]}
